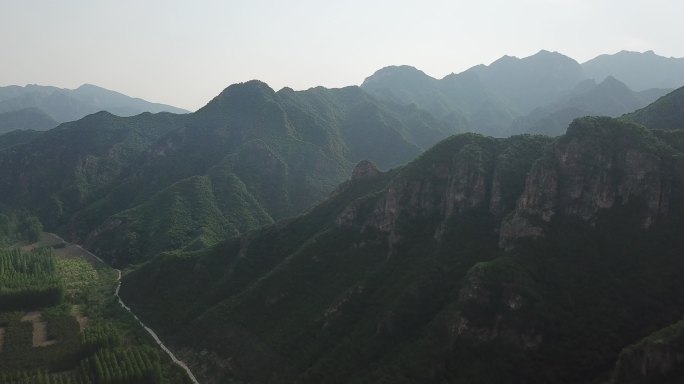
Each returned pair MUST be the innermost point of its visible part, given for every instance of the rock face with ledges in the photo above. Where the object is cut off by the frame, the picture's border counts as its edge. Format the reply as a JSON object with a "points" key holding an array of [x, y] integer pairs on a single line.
{"points": [[659, 358], [598, 164]]}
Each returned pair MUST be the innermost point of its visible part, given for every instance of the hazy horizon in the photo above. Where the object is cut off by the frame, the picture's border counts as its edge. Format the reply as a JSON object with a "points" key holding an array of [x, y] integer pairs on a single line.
{"points": [[184, 54]]}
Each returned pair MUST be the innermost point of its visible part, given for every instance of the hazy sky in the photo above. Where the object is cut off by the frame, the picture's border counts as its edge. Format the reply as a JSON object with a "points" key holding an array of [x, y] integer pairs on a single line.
{"points": [[185, 52]]}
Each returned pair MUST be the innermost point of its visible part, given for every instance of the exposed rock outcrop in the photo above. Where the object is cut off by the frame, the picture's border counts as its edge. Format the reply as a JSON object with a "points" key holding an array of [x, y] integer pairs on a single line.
{"points": [[365, 170], [659, 358], [600, 163], [496, 304], [458, 182]]}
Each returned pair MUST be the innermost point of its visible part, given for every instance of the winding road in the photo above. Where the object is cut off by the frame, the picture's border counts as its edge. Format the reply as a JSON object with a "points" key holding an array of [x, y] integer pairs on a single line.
{"points": [[127, 308]]}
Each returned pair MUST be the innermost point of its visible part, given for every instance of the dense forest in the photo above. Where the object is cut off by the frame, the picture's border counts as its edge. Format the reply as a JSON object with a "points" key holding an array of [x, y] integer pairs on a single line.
{"points": [[19, 227], [29, 280], [480, 261]]}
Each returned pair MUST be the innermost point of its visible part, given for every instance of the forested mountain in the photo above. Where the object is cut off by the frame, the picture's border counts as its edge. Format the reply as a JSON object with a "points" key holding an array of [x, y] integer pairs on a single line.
{"points": [[666, 113], [42, 104], [130, 187], [519, 260], [542, 93], [17, 137]]}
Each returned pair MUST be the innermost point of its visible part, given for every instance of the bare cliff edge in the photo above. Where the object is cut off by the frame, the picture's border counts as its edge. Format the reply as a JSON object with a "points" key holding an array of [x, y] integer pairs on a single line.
{"points": [[658, 358], [599, 164], [443, 249]]}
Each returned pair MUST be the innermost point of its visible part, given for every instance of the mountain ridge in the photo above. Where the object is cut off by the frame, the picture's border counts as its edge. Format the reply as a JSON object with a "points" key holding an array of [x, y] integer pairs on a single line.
{"points": [[64, 105], [401, 274], [493, 99], [247, 158]]}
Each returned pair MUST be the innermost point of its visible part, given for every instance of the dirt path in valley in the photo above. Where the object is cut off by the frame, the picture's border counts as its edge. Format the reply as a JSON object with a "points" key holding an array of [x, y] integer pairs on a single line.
{"points": [[53, 237]]}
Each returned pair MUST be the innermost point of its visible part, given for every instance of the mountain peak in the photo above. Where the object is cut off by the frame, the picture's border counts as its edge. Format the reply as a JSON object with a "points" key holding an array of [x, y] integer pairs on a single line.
{"points": [[249, 92], [625, 52], [639, 70], [504, 59], [89, 86], [365, 170], [402, 73], [247, 86], [612, 82], [546, 53], [397, 69]]}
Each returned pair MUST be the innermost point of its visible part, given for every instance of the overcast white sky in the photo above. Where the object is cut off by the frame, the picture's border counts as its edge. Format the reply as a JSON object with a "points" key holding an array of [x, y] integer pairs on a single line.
{"points": [[185, 52]]}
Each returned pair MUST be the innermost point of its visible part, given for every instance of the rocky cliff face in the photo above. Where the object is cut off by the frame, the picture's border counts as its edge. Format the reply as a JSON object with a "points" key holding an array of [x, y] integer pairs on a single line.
{"points": [[364, 170], [495, 304], [658, 358], [461, 180], [523, 184], [462, 173], [600, 163]]}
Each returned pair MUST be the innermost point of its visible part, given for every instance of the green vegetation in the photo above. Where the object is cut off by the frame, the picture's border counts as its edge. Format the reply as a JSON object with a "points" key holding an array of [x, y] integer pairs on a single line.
{"points": [[103, 336], [25, 119], [19, 227], [134, 366], [83, 335], [667, 113], [395, 278], [401, 279], [29, 280], [138, 186], [139, 365]]}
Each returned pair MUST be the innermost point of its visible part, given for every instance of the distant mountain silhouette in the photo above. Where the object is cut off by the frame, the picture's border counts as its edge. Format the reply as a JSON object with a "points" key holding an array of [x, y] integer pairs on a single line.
{"points": [[609, 98], [640, 71], [27, 118], [540, 93], [63, 105]]}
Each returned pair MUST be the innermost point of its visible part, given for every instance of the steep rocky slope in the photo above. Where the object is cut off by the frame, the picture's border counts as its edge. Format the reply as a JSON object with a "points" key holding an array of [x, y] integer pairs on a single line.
{"points": [[400, 276], [658, 358]]}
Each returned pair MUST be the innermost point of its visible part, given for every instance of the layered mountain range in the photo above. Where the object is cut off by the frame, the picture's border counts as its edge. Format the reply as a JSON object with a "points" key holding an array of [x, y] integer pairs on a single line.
{"points": [[131, 187], [357, 235], [541, 93], [519, 260], [40, 108]]}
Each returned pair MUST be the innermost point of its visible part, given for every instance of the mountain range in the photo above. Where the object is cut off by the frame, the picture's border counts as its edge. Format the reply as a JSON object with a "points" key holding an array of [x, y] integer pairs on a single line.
{"points": [[540, 93], [131, 187], [518, 260], [365, 235], [43, 107]]}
